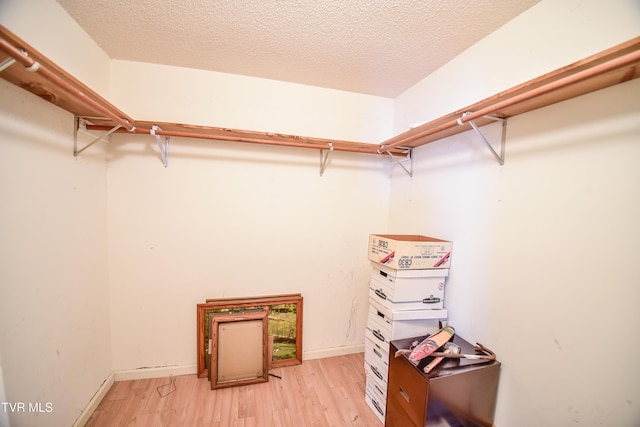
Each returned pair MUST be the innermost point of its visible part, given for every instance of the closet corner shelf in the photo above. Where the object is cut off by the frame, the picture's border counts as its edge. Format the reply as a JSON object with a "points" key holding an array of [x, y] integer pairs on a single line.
{"points": [[25, 67]]}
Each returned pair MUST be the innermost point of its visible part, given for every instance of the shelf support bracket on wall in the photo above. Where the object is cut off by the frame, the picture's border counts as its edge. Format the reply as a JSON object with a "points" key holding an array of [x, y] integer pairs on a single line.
{"points": [[163, 147], [80, 124], [499, 157], [7, 63], [409, 159], [324, 158]]}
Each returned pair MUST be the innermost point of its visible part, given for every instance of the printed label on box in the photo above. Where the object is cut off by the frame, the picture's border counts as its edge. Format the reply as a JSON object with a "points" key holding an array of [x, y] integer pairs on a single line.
{"points": [[409, 251]]}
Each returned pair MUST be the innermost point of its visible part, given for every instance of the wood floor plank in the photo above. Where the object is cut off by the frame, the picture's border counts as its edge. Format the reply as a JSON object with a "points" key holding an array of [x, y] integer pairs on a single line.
{"points": [[263, 404], [200, 408], [277, 391], [223, 405], [318, 393], [282, 418]]}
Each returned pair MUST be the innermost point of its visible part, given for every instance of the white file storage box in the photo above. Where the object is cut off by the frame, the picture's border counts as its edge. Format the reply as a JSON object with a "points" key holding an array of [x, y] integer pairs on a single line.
{"points": [[379, 371], [377, 406], [400, 276], [407, 290], [373, 387], [393, 325], [377, 335], [373, 350], [426, 300]]}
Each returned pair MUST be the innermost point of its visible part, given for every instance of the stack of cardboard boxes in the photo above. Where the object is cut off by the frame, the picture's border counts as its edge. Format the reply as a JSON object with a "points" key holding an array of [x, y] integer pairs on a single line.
{"points": [[406, 299]]}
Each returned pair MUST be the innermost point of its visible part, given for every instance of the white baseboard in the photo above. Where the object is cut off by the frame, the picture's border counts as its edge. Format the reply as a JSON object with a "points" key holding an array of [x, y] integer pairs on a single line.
{"points": [[159, 372], [95, 401], [331, 352]]}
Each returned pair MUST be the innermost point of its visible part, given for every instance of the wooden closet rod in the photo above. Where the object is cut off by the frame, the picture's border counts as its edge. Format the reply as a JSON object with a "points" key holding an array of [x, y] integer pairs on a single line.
{"points": [[67, 85], [255, 140], [45, 79], [234, 135], [596, 70], [619, 57]]}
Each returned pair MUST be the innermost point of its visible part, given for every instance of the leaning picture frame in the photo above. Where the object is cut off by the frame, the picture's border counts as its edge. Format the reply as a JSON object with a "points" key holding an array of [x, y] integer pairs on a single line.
{"points": [[239, 344], [284, 326]]}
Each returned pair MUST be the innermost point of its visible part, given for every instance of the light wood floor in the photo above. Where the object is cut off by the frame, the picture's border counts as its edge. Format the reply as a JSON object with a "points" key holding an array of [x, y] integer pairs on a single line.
{"points": [[320, 392]]}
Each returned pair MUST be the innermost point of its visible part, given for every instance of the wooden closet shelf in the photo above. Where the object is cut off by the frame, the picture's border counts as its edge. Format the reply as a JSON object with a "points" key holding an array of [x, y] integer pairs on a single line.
{"points": [[53, 84], [40, 76], [610, 67], [235, 135], [37, 74]]}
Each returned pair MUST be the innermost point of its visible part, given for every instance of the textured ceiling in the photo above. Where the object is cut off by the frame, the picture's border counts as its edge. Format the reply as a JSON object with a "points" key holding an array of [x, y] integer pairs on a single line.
{"points": [[378, 47]]}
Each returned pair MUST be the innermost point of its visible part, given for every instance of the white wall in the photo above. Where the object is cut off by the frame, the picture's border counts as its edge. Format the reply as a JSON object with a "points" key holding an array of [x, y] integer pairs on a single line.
{"points": [[54, 309], [226, 220], [181, 95], [550, 35], [237, 221], [543, 268]]}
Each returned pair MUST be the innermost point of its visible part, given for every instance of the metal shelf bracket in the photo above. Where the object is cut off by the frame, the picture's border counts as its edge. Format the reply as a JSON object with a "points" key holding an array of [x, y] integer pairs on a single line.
{"points": [[499, 157], [81, 125], [324, 158], [409, 159], [11, 60], [163, 147], [7, 63]]}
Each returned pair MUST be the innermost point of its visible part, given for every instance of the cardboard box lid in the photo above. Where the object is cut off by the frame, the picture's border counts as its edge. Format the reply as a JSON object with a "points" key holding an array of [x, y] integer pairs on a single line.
{"points": [[410, 238]]}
